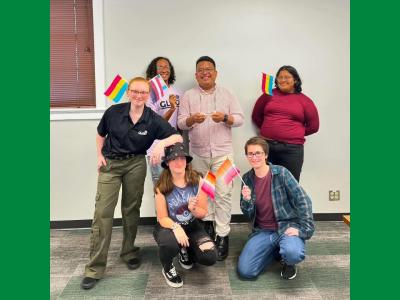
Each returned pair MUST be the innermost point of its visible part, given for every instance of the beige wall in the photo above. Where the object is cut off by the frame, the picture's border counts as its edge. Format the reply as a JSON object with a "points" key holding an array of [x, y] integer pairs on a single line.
{"points": [[245, 38]]}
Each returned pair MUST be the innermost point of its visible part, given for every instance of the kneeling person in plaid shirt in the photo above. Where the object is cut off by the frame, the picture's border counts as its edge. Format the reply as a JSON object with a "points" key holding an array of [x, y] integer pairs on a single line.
{"points": [[280, 212]]}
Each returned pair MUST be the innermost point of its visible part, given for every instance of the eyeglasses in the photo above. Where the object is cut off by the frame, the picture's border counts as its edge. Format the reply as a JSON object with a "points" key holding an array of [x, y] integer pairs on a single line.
{"points": [[257, 154], [137, 93], [207, 70], [282, 78]]}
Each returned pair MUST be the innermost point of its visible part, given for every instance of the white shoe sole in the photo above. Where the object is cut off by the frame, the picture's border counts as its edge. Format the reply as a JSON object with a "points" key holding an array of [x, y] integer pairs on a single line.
{"points": [[295, 274], [175, 285], [186, 267]]}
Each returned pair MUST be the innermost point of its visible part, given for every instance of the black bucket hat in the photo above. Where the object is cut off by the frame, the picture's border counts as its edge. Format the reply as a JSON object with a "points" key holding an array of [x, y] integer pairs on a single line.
{"points": [[173, 151]]}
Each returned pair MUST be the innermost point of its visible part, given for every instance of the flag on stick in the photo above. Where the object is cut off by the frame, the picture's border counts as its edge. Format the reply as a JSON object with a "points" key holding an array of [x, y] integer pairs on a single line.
{"points": [[208, 185], [159, 87], [266, 84], [117, 89], [228, 171]]}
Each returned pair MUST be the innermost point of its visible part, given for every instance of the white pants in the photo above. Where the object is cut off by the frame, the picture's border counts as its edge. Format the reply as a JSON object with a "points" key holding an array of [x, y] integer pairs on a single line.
{"points": [[219, 210]]}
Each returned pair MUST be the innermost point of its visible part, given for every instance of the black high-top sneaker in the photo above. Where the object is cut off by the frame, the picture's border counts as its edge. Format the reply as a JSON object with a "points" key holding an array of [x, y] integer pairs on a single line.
{"points": [[184, 259], [288, 271], [222, 247]]}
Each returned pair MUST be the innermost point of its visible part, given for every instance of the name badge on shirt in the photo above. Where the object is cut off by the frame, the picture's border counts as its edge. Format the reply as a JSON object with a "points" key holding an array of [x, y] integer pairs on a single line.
{"points": [[142, 132]]}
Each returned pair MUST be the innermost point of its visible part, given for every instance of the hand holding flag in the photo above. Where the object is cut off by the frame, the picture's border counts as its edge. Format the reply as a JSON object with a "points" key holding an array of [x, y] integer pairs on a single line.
{"points": [[117, 89]]}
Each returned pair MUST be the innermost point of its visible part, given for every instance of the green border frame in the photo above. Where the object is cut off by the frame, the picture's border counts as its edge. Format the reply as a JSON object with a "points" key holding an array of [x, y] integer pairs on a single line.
{"points": [[374, 176], [25, 150]]}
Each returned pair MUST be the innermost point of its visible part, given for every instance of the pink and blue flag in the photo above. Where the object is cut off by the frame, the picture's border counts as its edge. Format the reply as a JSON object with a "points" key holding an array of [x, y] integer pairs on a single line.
{"points": [[208, 185], [228, 171], [266, 84], [159, 87], [117, 89]]}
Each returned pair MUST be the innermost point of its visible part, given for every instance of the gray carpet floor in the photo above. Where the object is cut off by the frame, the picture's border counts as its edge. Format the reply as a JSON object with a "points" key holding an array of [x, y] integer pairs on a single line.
{"points": [[324, 274]]}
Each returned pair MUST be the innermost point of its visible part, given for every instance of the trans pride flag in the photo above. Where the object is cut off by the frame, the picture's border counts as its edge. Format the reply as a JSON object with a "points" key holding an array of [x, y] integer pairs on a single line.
{"points": [[266, 84], [159, 87], [117, 89], [208, 185], [228, 171]]}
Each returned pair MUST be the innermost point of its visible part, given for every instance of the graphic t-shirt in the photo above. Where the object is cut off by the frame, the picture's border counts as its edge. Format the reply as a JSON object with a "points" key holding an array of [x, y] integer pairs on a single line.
{"points": [[177, 203]]}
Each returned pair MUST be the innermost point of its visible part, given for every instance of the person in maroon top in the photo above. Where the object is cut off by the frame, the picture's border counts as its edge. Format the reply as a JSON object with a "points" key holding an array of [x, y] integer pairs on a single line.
{"points": [[284, 119]]}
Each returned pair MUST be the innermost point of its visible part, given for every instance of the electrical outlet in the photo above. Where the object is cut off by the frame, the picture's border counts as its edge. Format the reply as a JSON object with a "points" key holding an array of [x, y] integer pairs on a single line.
{"points": [[334, 195]]}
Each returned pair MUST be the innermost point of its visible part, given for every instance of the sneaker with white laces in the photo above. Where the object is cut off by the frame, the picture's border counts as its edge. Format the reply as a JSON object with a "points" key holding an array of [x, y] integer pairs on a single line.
{"points": [[172, 277], [184, 259], [288, 271]]}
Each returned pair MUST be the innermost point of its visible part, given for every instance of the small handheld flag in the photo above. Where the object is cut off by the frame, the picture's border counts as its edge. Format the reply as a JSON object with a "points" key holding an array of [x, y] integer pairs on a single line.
{"points": [[117, 89], [208, 185], [159, 87], [266, 84], [228, 171]]}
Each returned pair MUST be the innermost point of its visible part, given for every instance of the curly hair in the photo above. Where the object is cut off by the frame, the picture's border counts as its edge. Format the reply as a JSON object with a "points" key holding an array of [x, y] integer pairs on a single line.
{"points": [[296, 77], [152, 70], [165, 183]]}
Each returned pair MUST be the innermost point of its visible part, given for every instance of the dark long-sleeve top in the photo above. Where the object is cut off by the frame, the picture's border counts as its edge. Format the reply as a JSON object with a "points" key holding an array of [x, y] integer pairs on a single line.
{"points": [[285, 117]]}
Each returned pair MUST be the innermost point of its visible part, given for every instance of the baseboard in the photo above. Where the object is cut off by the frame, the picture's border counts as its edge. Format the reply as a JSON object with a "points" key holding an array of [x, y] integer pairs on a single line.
{"points": [[152, 221]]}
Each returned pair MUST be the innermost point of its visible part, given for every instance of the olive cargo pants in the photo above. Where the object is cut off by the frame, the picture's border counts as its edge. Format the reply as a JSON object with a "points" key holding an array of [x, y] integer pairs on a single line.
{"points": [[131, 174]]}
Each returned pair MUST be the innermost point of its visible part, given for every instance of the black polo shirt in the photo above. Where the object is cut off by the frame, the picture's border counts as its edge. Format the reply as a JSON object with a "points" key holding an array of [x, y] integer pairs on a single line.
{"points": [[123, 137]]}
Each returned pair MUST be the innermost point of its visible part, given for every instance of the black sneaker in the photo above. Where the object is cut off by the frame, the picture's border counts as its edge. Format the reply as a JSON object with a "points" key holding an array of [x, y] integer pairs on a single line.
{"points": [[88, 283], [184, 259], [222, 247], [133, 263], [172, 277], [288, 271]]}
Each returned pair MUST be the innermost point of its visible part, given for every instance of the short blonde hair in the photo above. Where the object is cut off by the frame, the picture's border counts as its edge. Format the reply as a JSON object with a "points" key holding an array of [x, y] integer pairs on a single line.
{"points": [[139, 79]]}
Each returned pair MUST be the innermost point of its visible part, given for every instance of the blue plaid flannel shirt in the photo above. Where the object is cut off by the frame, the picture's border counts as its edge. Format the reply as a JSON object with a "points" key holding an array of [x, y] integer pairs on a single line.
{"points": [[292, 206]]}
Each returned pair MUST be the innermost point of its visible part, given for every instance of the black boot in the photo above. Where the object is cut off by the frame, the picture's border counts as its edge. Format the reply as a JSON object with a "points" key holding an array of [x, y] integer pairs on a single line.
{"points": [[223, 247], [209, 228]]}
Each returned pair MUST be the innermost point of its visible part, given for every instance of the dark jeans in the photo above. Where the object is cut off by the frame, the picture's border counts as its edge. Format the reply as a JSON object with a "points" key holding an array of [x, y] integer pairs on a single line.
{"points": [[168, 245], [291, 156]]}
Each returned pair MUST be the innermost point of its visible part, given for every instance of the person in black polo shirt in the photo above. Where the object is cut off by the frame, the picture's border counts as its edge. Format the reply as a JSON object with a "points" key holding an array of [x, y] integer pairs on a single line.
{"points": [[124, 134]]}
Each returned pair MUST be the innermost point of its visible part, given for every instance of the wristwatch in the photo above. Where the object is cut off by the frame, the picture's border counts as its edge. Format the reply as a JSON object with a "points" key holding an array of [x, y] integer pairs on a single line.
{"points": [[225, 118]]}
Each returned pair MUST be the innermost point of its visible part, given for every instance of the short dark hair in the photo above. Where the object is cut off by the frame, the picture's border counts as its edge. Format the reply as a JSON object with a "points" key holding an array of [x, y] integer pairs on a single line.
{"points": [[205, 58], [256, 140], [296, 77], [152, 69]]}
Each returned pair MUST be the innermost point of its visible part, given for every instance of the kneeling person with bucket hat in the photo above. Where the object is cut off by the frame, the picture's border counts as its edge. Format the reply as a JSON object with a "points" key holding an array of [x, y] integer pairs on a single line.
{"points": [[179, 205]]}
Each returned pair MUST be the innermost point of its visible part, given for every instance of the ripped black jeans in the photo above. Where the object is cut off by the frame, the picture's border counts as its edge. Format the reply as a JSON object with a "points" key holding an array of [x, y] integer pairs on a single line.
{"points": [[168, 245]]}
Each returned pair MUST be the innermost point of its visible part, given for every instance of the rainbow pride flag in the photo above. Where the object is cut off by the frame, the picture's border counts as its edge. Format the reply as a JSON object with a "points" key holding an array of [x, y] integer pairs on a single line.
{"points": [[208, 185], [228, 171], [159, 87], [266, 84], [117, 89]]}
